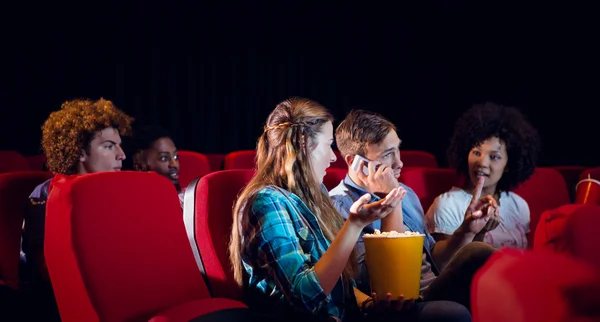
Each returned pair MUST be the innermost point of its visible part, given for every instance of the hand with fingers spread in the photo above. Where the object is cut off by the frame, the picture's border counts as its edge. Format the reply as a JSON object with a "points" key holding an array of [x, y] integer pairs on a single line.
{"points": [[483, 213], [381, 179], [362, 213], [388, 305]]}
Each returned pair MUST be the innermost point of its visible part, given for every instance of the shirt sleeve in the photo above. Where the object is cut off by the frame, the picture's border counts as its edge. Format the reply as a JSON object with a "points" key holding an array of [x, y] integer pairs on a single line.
{"points": [[523, 213], [445, 215], [280, 254]]}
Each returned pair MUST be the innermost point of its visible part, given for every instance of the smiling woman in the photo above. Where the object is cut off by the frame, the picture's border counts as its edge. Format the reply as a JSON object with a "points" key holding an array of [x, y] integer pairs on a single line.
{"points": [[498, 145]]}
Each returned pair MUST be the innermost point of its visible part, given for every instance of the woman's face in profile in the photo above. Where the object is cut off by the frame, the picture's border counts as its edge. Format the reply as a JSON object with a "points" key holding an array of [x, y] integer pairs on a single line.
{"points": [[322, 155]]}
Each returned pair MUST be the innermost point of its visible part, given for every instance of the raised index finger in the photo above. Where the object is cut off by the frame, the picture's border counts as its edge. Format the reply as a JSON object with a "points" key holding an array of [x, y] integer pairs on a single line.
{"points": [[477, 190]]}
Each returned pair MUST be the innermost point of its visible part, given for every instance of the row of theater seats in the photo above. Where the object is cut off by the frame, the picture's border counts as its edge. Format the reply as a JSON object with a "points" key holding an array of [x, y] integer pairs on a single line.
{"points": [[195, 165], [98, 266], [117, 249], [559, 280]]}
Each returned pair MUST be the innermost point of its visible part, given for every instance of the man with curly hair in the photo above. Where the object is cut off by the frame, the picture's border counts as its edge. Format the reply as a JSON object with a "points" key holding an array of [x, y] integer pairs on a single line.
{"points": [[84, 136], [497, 144]]}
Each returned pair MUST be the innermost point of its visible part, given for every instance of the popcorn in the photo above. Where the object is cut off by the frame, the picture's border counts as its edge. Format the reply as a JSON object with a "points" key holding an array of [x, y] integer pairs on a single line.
{"points": [[392, 234]]}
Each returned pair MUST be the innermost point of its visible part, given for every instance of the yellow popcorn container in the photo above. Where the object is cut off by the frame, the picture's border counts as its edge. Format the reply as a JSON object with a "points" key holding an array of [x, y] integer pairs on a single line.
{"points": [[394, 264]]}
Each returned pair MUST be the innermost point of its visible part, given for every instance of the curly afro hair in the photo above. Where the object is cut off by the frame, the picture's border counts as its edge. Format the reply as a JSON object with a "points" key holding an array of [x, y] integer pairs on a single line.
{"points": [[68, 131], [508, 124]]}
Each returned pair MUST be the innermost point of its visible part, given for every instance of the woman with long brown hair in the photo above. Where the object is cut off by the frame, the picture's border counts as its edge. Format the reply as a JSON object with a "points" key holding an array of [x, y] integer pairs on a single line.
{"points": [[289, 247]]}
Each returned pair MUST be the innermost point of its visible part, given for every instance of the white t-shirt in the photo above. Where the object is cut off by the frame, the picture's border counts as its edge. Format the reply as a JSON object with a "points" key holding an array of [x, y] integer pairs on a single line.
{"points": [[447, 212]]}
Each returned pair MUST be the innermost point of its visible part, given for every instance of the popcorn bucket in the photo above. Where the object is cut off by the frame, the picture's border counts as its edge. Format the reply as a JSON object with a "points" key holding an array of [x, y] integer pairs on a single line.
{"points": [[587, 191], [394, 264]]}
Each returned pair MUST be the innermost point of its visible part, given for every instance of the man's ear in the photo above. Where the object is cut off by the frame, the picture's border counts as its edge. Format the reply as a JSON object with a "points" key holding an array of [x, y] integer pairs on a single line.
{"points": [[83, 156], [349, 158]]}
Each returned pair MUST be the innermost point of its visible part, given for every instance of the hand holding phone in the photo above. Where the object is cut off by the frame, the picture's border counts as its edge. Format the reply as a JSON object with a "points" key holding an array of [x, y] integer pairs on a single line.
{"points": [[360, 161]]}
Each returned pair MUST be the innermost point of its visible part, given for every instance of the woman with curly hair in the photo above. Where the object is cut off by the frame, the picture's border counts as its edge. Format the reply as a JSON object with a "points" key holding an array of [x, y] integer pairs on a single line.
{"points": [[496, 144], [84, 136]]}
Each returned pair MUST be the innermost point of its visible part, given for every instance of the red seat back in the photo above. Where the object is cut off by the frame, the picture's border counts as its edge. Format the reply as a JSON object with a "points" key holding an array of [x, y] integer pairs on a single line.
{"points": [[593, 173], [428, 183], [116, 247], [533, 286], [216, 161], [37, 162], [550, 230], [571, 175], [581, 234], [243, 159], [333, 177], [15, 188], [208, 215], [415, 158], [192, 165], [12, 161], [339, 163], [544, 190]]}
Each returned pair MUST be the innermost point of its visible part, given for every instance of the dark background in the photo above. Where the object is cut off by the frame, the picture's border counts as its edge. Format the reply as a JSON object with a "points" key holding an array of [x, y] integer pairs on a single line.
{"points": [[210, 72]]}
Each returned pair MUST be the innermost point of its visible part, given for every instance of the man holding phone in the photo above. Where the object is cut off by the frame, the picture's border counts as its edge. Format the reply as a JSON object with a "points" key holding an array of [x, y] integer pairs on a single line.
{"points": [[367, 137]]}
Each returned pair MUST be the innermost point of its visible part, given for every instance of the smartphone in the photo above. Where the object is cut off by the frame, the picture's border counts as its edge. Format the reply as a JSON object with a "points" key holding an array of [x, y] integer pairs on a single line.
{"points": [[359, 161]]}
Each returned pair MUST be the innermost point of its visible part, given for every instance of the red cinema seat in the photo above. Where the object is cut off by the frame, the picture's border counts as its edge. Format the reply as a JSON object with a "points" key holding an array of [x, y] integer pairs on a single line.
{"points": [[37, 162], [593, 173], [339, 163], [428, 183], [581, 236], [11, 161], [192, 165], [208, 216], [415, 158], [15, 188], [333, 177], [216, 161], [243, 159], [571, 175], [116, 250], [550, 230], [544, 190], [535, 286]]}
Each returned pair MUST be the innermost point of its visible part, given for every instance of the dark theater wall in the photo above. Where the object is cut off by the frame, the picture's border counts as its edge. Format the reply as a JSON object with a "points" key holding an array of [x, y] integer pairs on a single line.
{"points": [[211, 73]]}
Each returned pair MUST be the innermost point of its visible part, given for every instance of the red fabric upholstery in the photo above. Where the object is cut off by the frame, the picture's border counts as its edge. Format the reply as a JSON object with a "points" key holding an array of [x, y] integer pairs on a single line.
{"points": [[594, 173], [243, 159], [192, 165], [333, 176], [15, 188], [189, 310], [37, 162], [550, 229], [535, 286], [216, 161], [119, 238], [339, 163], [428, 183], [12, 161], [209, 225], [581, 234], [415, 158], [571, 175], [544, 190]]}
